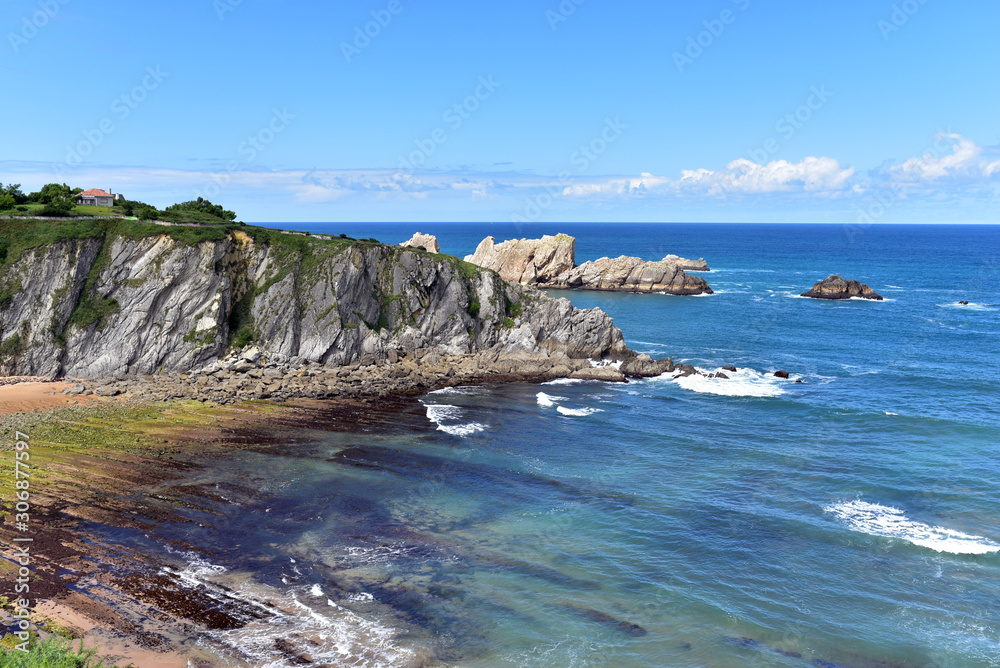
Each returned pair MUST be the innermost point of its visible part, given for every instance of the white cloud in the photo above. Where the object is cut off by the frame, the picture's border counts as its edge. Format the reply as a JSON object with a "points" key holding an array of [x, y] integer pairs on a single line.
{"points": [[953, 158], [739, 177], [745, 177]]}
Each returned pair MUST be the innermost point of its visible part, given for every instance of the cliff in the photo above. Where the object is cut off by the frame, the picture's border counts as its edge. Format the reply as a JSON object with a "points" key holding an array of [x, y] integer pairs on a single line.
{"points": [[113, 298], [550, 262]]}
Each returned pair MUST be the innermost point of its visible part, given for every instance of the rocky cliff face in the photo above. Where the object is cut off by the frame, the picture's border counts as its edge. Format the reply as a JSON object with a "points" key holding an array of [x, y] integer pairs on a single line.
{"points": [[550, 262], [120, 304], [835, 287], [428, 242], [528, 261]]}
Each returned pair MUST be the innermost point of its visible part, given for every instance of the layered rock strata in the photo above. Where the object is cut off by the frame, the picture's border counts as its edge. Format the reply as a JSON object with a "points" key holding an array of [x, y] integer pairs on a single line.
{"points": [[550, 262], [116, 305]]}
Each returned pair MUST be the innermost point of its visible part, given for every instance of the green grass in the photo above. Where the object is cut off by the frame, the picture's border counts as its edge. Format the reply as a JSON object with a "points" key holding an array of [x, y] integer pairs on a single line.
{"points": [[32, 209], [54, 652]]}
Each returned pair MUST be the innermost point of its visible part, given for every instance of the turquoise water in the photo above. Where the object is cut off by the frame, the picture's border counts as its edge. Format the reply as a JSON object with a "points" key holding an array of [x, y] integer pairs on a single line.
{"points": [[847, 520]]}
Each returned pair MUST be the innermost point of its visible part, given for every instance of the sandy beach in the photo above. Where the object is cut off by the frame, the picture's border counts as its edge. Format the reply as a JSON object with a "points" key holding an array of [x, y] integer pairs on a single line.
{"points": [[28, 394]]}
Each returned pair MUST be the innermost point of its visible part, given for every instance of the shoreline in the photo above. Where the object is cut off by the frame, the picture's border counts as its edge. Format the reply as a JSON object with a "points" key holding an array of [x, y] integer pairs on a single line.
{"points": [[112, 472]]}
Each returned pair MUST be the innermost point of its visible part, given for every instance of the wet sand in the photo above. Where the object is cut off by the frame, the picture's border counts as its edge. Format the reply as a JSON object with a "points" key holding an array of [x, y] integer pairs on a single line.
{"points": [[106, 462]]}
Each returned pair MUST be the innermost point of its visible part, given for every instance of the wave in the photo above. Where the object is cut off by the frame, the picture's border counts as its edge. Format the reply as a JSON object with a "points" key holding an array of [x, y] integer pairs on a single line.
{"points": [[548, 400], [563, 381], [441, 413], [336, 636], [464, 390], [742, 383], [339, 637], [878, 520], [577, 412], [971, 306], [703, 294]]}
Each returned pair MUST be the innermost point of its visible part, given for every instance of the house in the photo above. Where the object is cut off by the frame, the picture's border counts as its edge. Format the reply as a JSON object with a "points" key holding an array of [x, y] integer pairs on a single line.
{"points": [[97, 197]]}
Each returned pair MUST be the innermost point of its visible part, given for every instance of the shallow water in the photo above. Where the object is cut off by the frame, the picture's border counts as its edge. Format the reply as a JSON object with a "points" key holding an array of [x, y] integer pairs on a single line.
{"points": [[847, 520]]}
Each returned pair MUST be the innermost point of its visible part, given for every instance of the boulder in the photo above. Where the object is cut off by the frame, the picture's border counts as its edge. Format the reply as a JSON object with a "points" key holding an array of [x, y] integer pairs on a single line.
{"points": [[688, 265], [781, 374], [641, 366], [75, 389], [835, 287], [608, 374], [729, 368], [426, 241]]}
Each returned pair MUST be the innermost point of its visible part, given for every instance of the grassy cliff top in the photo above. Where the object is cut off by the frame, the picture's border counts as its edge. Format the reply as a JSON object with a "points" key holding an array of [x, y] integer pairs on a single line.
{"points": [[20, 234]]}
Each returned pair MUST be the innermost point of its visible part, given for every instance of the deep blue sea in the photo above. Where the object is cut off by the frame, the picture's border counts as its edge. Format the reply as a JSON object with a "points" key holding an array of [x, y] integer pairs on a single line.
{"points": [[850, 520]]}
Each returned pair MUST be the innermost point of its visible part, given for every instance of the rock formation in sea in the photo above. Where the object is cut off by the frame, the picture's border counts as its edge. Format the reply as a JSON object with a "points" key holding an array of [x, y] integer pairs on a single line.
{"points": [[426, 241], [550, 262], [835, 287], [127, 302]]}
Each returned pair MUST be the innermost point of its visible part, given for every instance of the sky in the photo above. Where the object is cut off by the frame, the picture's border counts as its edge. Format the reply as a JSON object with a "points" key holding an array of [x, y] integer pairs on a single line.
{"points": [[860, 111]]}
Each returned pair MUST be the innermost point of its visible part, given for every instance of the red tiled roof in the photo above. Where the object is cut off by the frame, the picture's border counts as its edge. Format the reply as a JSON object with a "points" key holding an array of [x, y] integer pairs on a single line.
{"points": [[94, 192]]}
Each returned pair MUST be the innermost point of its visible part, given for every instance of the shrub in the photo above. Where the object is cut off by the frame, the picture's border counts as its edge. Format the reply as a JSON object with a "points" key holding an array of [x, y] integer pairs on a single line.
{"points": [[54, 652]]}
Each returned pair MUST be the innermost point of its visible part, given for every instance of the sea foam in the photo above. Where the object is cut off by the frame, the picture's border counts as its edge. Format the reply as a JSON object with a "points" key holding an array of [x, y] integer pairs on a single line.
{"points": [[878, 520], [742, 383], [577, 412], [548, 400], [447, 418]]}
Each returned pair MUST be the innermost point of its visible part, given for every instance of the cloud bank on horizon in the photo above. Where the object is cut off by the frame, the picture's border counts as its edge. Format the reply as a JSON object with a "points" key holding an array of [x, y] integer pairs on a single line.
{"points": [[742, 111]]}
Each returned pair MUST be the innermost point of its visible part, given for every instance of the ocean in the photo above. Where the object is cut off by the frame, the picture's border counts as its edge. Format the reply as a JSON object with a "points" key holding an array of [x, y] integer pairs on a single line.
{"points": [[848, 520]]}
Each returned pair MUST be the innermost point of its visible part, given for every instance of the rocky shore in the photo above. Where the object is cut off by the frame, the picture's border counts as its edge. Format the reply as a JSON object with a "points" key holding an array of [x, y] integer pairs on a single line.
{"points": [[550, 262]]}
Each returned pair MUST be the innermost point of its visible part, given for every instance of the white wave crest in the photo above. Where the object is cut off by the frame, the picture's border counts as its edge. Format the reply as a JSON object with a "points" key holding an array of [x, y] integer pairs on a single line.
{"points": [[577, 412], [439, 414], [464, 390], [878, 520], [742, 383], [548, 400], [563, 381]]}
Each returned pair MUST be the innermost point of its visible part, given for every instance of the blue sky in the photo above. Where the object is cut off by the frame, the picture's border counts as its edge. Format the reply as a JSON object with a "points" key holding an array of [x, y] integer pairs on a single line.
{"points": [[726, 110]]}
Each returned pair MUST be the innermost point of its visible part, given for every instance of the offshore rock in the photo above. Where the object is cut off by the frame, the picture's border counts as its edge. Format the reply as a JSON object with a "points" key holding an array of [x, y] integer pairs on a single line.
{"points": [[426, 241], [550, 262], [528, 261], [835, 287], [631, 274]]}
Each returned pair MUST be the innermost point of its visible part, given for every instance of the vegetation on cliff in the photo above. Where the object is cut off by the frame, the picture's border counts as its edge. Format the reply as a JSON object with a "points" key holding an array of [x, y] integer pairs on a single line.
{"points": [[100, 297]]}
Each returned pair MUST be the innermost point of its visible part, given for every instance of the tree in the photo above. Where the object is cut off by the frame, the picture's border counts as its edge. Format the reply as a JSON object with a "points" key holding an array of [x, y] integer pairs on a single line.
{"points": [[52, 191], [202, 205], [6, 201], [14, 190], [140, 210], [58, 207]]}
